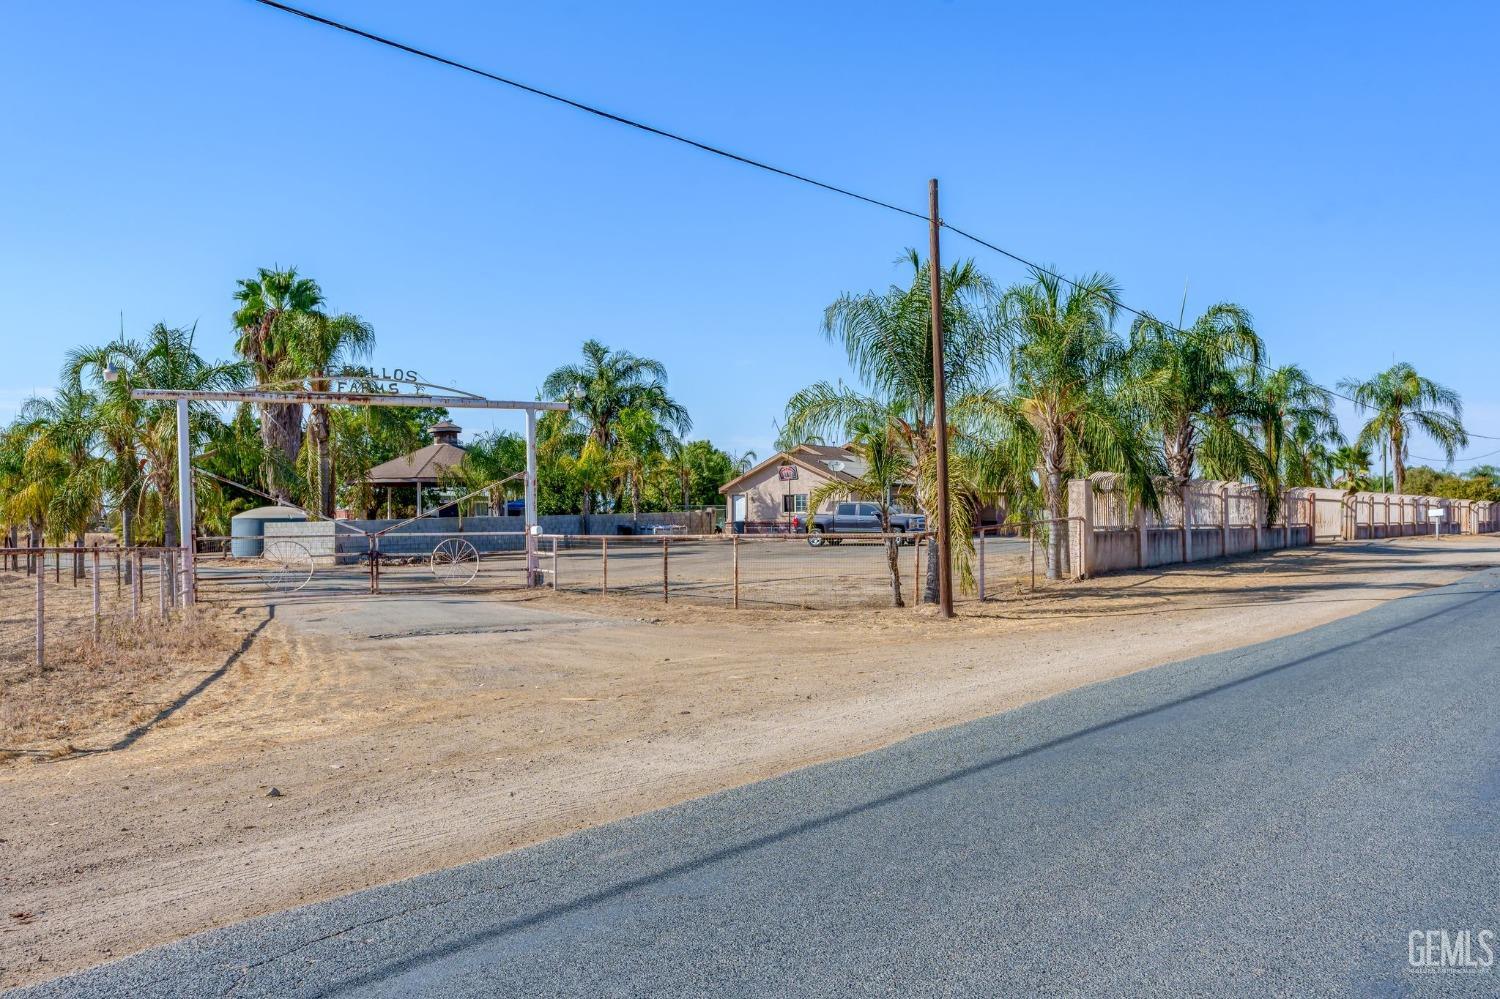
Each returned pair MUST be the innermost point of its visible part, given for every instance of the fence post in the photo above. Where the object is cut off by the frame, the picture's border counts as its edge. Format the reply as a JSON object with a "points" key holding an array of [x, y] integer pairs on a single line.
{"points": [[96, 595], [735, 542], [135, 584], [554, 563], [1224, 520], [916, 567], [161, 584], [1031, 551], [604, 550], [1187, 523], [1140, 535], [665, 543], [118, 574], [981, 565], [41, 618]]}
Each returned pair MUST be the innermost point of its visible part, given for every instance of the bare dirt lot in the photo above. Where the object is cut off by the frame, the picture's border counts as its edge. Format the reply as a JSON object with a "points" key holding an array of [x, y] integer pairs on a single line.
{"points": [[416, 731]]}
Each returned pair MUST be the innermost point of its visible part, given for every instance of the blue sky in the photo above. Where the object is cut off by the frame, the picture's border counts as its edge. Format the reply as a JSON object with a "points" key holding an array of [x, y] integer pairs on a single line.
{"points": [[1330, 166]]}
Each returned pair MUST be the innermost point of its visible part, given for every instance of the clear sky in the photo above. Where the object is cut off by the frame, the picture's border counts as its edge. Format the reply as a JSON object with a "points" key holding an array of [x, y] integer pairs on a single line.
{"points": [[1332, 167]]}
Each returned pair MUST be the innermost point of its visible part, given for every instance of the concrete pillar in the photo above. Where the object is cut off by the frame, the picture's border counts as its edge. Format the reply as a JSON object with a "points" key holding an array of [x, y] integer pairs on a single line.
{"points": [[1141, 535], [1187, 523], [1224, 519]]}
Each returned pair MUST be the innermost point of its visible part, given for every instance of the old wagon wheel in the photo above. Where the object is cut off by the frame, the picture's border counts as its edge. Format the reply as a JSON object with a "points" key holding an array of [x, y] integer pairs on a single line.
{"points": [[455, 562], [288, 566]]}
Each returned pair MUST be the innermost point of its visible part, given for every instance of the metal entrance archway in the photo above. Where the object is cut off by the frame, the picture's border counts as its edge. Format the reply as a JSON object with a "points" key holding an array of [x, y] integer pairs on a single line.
{"points": [[276, 394]]}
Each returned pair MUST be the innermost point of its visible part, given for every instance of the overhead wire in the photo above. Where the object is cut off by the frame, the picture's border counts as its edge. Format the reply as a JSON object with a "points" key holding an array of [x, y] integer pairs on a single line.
{"points": [[757, 164]]}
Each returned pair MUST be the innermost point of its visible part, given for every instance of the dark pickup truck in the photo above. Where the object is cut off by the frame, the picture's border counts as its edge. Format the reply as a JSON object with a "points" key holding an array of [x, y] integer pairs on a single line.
{"points": [[860, 518]]}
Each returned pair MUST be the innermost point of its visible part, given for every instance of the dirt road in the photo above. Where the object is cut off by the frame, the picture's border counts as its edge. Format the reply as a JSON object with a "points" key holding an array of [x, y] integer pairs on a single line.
{"points": [[410, 734]]}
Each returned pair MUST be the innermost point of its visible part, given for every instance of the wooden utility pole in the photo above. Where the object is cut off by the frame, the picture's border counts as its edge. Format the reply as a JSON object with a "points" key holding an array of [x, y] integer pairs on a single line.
{"points": [[939, 404]]}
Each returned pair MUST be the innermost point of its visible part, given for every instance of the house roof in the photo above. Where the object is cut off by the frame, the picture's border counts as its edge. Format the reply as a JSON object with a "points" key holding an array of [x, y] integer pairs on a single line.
{"points": [[814, 458], [423, 465]]}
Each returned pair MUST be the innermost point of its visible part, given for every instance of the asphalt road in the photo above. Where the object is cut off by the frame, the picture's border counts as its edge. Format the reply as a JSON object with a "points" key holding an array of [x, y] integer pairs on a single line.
{"points": [[1273, 820]]}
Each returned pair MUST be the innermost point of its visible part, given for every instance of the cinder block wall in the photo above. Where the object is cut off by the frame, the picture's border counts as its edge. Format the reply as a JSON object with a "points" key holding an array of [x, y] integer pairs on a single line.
{"points": [[487, 534]]}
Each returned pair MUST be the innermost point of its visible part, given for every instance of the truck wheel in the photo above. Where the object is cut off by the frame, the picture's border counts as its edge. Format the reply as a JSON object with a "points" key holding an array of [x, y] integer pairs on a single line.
{"points": [[899, 530], [815, 537]]}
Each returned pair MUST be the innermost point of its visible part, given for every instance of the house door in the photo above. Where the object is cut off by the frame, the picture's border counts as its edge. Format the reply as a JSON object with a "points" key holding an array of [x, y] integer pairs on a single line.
{"points": [[739, 509]]}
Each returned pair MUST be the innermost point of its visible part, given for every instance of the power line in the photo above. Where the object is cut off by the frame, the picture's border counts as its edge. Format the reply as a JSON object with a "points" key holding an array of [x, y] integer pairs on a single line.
{"points": [[580, 106], [1457, 457], [747, 161]]}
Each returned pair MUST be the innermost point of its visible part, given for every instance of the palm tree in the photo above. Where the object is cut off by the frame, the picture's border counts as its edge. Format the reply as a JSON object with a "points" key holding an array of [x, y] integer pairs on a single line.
{"points": [[742, 462], [264, 300], [1192, 389], [1297, 426], [641, 449], [168, 359], [1066, 407], [488, 459], [886, 471], [1403, 402], [118, 416], [1353, 464], [887, 337], [64, 477], [317, 346], [604, 387]]}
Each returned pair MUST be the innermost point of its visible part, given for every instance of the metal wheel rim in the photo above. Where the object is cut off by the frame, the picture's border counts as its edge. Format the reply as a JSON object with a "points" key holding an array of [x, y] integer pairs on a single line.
{"points": [[455, 562], [288, 566]]}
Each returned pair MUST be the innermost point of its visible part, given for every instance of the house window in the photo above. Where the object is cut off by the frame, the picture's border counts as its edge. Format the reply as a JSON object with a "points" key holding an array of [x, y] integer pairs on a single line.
{"points": [[794, 503]]}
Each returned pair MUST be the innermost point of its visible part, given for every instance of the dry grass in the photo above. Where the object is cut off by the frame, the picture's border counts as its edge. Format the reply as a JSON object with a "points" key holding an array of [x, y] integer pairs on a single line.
{"points": [[95, 690]]}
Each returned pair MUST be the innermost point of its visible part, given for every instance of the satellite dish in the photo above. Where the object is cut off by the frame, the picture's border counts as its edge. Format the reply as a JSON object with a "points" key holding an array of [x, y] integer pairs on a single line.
{"points": [[836, 465]]}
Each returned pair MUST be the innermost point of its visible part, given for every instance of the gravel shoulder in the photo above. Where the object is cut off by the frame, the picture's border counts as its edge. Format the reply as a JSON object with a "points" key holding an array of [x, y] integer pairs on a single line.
{"points": [[410, 736]]}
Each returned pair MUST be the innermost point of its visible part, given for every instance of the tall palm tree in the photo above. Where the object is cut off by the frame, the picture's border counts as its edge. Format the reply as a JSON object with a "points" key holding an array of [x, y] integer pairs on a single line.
{"points": [[263, 342], [605, 386], [1066, 408], [1297, 427], [318, 345], [119, 419], [886, 470], [1402, 402], [887, 338], [1192, 389]]}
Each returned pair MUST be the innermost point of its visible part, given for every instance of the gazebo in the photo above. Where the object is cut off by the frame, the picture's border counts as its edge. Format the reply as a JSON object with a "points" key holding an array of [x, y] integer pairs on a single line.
{"points": [[423, 467]]}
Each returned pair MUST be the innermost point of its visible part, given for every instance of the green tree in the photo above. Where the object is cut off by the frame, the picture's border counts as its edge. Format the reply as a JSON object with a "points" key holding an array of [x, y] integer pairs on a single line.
{"points": [[887, 338], [1192, 389], [1353, 465], [317, 346], [265, 301], [604, 387], [64, 477], [886, 471], [641, 449], [1065, 410], [1297, 429], [1400, 402]]}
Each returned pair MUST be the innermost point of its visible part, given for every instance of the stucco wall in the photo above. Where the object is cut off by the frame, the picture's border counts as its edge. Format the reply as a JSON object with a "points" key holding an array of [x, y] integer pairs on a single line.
{"points": [[1118, 536], [763, 494]]}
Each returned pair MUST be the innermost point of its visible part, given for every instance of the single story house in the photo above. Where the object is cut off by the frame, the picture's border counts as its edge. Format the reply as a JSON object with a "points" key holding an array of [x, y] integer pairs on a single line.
{"points": [[773, 495]]}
